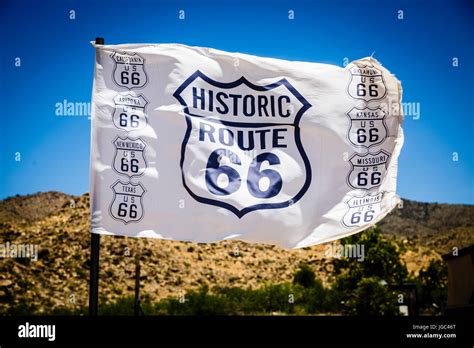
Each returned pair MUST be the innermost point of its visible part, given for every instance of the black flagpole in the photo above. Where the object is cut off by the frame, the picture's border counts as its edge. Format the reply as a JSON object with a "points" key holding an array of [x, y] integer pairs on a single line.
{"points": [[136, 307], [94, 275], [95, 252]]}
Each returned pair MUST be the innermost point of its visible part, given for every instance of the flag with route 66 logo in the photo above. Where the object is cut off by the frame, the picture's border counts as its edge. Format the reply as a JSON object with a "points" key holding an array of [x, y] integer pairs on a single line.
{"points": [[197, 144]]}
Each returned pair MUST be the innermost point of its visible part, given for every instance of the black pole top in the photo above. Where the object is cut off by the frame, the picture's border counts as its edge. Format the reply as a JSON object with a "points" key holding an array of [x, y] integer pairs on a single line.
{"points": [[99, 41]]}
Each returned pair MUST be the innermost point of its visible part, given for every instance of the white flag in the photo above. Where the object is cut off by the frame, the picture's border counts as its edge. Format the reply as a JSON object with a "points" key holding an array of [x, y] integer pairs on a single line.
{"points": [[196, 144]]}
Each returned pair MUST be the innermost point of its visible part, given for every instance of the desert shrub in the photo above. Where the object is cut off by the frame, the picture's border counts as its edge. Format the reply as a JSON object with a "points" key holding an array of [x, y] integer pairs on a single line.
{"points": [[199, 302], [271, 298], [304, 276], [241, 301], [124, 306], [313, 300], [66, 311], [275, 298], [22, 308]]}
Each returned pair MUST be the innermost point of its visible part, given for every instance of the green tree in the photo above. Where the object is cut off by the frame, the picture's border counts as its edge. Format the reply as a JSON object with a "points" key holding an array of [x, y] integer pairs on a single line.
{"points": [[432, 286], [310, 294], [371, 297], [363, 286], [381, 259]]}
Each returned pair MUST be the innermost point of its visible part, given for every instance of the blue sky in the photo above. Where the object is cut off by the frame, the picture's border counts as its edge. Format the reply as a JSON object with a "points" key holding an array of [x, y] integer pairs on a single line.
{"points": [[57, 64]]}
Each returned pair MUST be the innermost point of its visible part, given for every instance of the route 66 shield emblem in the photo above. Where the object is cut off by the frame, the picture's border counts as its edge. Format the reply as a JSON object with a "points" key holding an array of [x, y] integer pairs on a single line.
{"points": [[130, 112], [362, 209], [242, 149], [367, 127], [129, 70], [367, 170], [367, 83], [127, 205], [129, 156]]}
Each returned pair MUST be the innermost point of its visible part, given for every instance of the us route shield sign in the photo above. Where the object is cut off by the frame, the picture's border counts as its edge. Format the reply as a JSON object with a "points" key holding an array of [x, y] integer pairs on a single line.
{"points": [[237, 162]]}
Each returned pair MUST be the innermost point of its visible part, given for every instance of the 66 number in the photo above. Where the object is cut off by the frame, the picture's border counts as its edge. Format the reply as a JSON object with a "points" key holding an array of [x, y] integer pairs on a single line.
{"points": [[127, 77], [125, 120], [124, 210], [214, 170], [126, 165], [363, 178], [362, 88], [372, 135], [366, 217]]}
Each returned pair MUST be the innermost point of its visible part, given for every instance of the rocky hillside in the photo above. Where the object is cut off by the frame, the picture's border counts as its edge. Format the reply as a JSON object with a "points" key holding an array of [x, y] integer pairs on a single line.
{"points": [[22, 210], [59, 225], [437, 226]]}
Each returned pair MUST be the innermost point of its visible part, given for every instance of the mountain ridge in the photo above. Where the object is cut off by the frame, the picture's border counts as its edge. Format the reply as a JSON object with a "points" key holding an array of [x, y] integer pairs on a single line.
{"points": [[59, 224]]}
